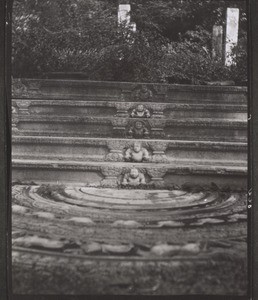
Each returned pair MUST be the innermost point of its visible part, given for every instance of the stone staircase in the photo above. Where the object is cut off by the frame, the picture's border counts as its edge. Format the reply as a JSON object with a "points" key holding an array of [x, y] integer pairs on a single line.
{"points": [[116, 198], [75, 131]]}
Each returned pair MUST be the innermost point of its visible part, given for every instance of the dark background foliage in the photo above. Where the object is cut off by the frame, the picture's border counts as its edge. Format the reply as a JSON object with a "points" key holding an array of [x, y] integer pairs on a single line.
{"points": [[172, 42]]}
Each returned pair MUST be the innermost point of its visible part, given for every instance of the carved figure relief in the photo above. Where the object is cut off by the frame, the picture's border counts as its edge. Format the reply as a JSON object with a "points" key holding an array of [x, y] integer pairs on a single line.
{"points": [[19, 89], [133, 178], [143, 94], [137, 153], [140, 112], [138, 130]]}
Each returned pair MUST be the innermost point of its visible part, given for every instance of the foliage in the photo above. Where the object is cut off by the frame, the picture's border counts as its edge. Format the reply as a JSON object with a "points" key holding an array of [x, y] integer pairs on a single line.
{"points": [[173, 38], [190, 61]]}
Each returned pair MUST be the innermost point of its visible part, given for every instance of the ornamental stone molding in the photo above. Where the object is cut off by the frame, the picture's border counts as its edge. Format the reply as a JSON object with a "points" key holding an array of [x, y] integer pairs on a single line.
{"points": [[23, 106], [157, 123], [157, 175], [109, 182], [111, 171], [115, 144], [159, 148], [122, 109], [158, 110], [115, 156], [119, 123], [111, 174], [159, 158]]}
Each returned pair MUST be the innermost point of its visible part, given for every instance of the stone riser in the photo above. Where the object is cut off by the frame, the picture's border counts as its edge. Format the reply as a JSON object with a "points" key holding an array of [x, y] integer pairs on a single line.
{"points": [[124, 109], [104, 175], [124, 91], [103, 150], [193, 129]]}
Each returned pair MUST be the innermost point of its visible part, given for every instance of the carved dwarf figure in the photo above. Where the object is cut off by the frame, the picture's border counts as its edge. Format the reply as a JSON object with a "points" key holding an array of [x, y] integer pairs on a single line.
{"points": [[137, 153], [140, 112], [133, 178], [143, 94], [138, 130]]}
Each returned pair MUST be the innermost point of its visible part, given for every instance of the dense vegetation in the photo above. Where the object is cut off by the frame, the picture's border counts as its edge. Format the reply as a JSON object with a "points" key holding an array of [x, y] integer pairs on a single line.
{"points": [[172, 40]]}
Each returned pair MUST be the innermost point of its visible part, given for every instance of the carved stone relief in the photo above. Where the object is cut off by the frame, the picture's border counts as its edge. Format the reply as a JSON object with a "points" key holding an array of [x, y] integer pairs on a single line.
{"points": [[143, 93], [157, 127], [138, 129], [19, 89], [119, 123], [137, 153], [23, 106], [111, 174], [140, 111], [157, 175], [122, 109], [159, 148], [133, 178], [158, 110]]}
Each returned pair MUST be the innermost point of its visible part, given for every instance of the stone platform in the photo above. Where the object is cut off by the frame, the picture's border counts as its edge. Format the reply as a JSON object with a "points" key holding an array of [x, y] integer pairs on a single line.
{"points": [[81, 240]]}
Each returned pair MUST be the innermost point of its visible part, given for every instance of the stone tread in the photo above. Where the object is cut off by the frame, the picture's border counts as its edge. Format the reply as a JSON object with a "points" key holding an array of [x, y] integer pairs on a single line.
{"points": [[65, 139], [174, 165]]}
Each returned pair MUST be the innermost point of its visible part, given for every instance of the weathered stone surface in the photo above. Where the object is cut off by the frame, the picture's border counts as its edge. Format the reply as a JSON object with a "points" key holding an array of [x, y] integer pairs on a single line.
{"points": [[18, 209], [217, 42], [170, 224], [46, 215], [92, 248], [165, 250], [117, 249], [81, 220], [208, 221], [126, 224], [35, 241]]}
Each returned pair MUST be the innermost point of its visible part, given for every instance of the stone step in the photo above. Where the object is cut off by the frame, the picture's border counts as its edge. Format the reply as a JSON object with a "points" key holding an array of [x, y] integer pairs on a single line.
{"points": [[125, 91], [101, 149], [175, 110], [103, 174], [154, 128]]}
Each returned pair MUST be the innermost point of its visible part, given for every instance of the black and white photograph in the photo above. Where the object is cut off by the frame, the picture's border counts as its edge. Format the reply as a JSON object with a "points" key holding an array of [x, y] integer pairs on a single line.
{"points": [[130, 147]]}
